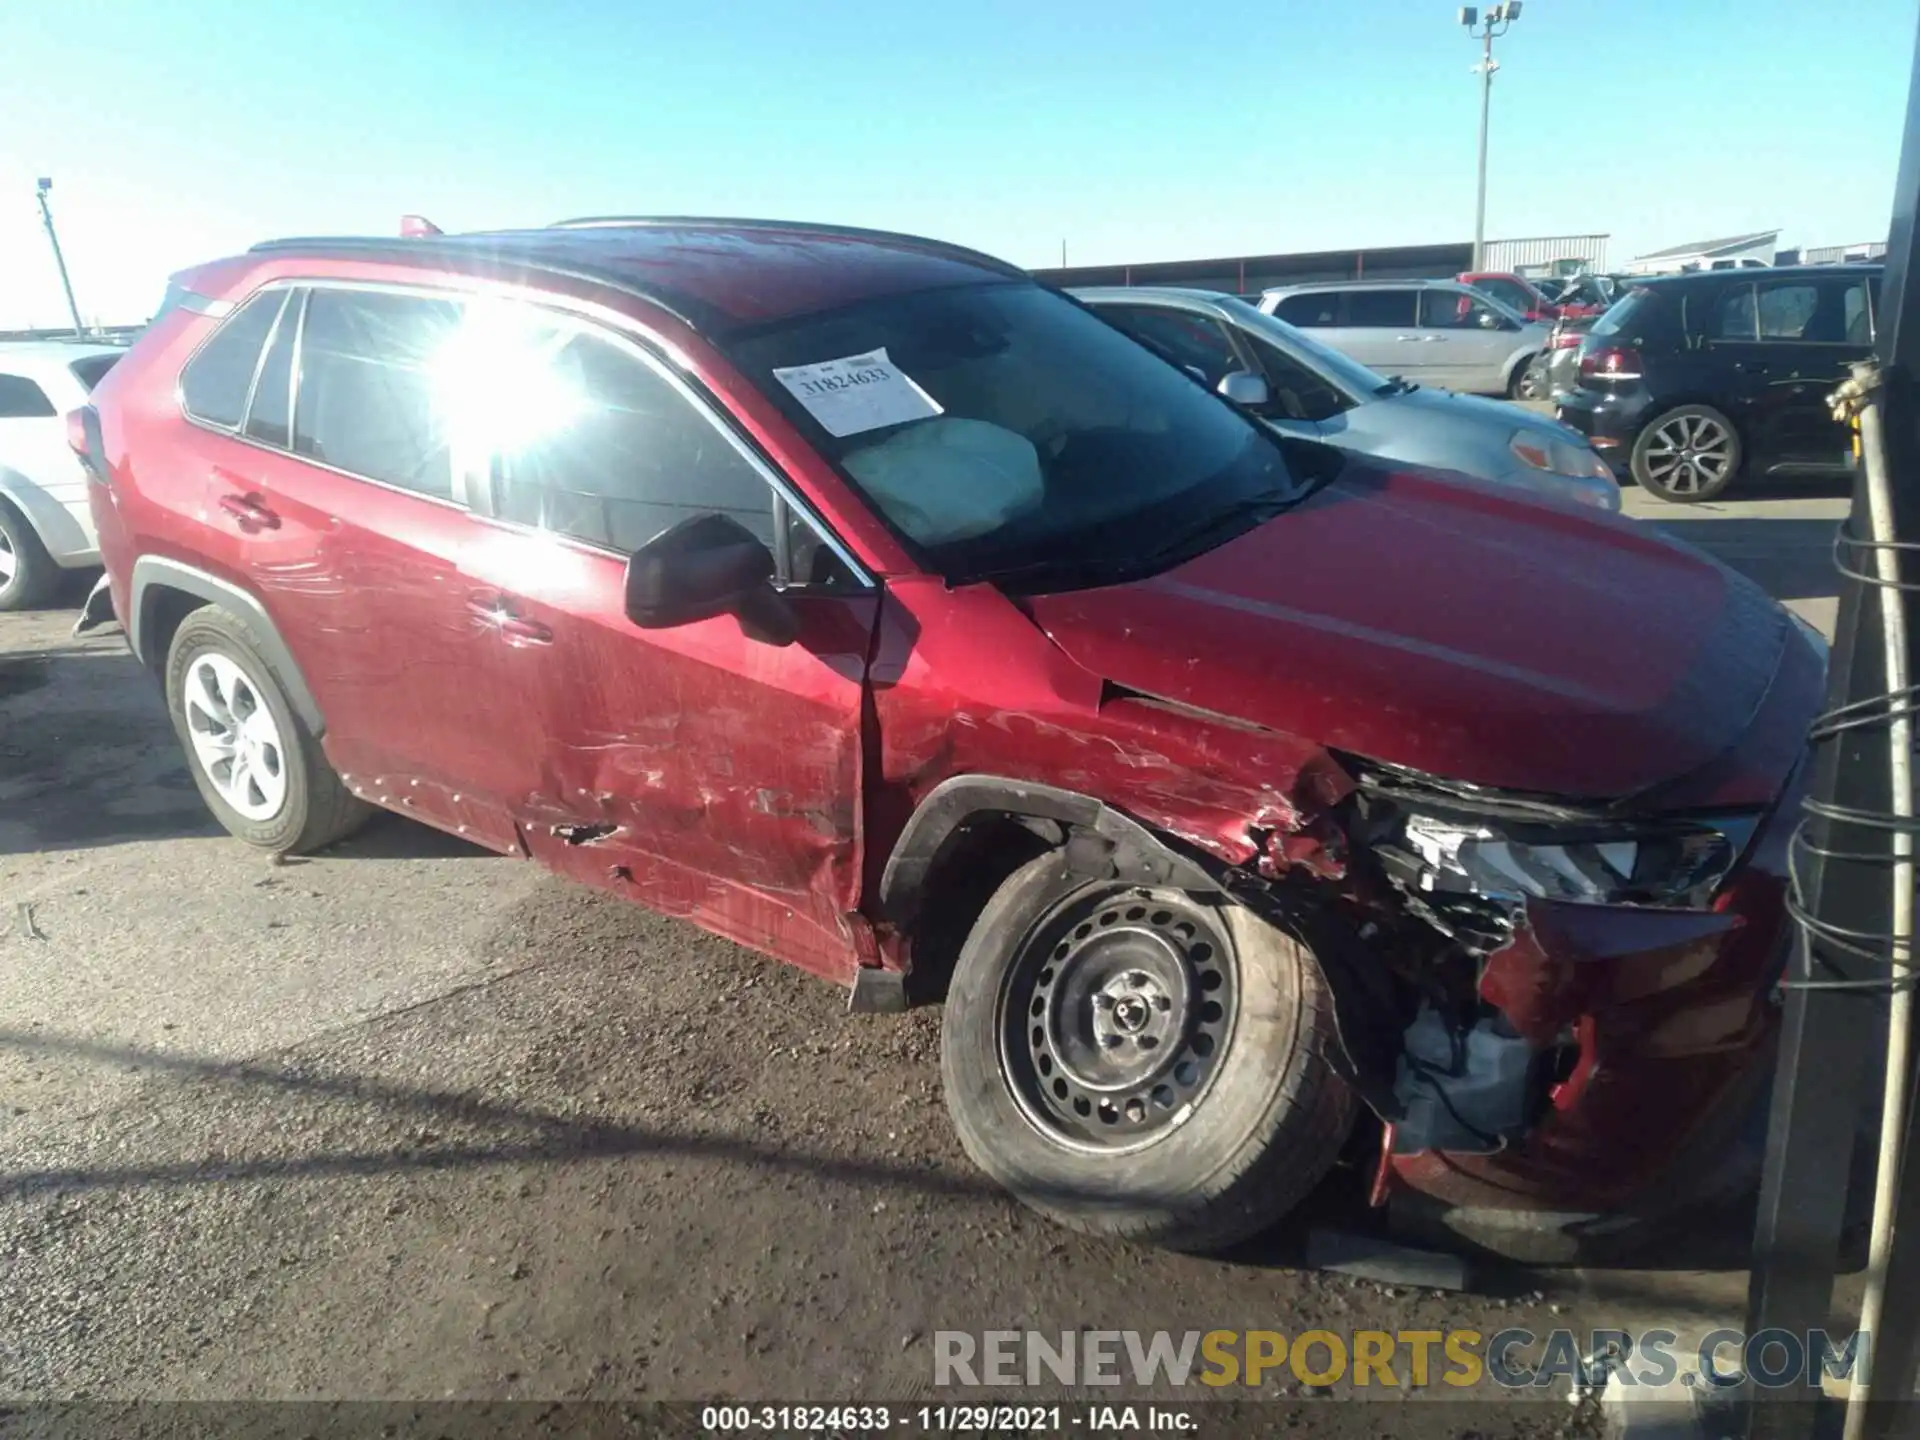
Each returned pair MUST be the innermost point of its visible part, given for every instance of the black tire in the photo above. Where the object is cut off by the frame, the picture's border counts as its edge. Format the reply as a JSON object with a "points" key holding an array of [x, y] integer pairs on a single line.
{"points": [[316, 809], [34, 575], [1524, 383], [1261, 1129], [1687, 455]]}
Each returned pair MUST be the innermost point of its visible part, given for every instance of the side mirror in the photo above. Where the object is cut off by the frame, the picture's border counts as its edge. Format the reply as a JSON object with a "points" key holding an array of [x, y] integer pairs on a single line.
{"points": [[1491, 321], [1243, 388], [706, 566]]}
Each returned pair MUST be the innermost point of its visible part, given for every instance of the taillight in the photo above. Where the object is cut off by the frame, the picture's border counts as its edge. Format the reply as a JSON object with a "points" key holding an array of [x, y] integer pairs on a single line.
{"points": [[1564, 340], [1610, 362], [83, 438]]}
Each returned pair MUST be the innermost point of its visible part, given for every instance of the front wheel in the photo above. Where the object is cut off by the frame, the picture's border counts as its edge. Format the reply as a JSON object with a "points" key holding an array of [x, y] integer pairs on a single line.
{"points": [[1689, 454], [1528, 382], [1142, 1063], [27, 573]]}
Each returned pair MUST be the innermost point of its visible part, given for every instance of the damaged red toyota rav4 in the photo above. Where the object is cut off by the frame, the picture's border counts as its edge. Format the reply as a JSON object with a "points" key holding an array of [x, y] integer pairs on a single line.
{"points": [[862, 600]]}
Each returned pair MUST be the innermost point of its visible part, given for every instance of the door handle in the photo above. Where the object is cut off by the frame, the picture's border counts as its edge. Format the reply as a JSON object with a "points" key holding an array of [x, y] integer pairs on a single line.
{"points": [[1409, 337], [496, 613], [251, 511]]}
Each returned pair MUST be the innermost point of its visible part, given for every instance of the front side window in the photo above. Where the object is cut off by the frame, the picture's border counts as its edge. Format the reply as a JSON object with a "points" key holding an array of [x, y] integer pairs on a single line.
{"points": [[366, 400], [22, 399], [1188, 340], [583, 438], [215, 383], [1379, 308], [1000, 427], [1508, 292], [1456, 310]]}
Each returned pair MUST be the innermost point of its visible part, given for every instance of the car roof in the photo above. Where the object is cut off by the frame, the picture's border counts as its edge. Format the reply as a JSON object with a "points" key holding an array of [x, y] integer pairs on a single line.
{"points": [[1752, 272], [1319, 285], [1098, 293], [718, 275]]}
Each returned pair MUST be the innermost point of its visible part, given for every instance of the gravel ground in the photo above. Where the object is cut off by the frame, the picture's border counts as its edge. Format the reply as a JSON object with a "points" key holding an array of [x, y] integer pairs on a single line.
{"points": [[409, 1121]]}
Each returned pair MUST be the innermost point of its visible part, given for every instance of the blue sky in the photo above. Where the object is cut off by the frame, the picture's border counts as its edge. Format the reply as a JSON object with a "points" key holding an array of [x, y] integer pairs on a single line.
{"points": [[1132, 129]]}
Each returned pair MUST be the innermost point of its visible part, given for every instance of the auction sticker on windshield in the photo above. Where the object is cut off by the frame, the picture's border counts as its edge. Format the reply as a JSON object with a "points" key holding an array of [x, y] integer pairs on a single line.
{"points": [[857, 393]]}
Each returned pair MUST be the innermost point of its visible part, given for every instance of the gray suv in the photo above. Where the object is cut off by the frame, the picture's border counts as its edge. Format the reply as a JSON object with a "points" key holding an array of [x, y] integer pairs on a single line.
{"points": [[1438, 332]]}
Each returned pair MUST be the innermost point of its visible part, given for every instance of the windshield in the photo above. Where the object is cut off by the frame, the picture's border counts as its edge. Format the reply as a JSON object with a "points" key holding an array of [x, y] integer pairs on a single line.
{"points": [[1350, 375], [1002, 427]]}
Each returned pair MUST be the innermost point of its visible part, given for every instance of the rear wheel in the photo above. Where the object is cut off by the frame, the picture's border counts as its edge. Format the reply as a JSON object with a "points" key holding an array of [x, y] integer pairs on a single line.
{"points": [[27, 573], [1139, 1062], [1689, 454], [257, 766]]}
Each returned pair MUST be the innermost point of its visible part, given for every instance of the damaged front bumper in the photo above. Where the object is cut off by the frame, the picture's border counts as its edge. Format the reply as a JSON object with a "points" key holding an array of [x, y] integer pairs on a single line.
{"points": [[1659, 1026]]}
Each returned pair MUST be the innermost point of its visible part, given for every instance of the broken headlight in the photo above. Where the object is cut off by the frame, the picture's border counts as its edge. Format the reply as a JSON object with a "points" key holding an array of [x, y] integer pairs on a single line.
{"points": [[1673, 863]]}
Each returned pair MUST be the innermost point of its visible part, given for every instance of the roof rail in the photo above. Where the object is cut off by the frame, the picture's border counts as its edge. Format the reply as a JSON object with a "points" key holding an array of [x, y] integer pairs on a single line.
{"points": [[802, 227]]}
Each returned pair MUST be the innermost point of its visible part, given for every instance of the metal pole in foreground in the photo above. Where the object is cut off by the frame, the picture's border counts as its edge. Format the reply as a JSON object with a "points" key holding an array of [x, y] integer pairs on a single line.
{"points": [[1819, 1085], [1480, 190], [1497, 19], [46, 215]]}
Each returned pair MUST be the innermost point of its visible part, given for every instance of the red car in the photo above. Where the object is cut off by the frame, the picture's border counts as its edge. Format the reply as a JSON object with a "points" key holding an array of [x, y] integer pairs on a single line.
{"points": [[1519, 293], [862, 600]]}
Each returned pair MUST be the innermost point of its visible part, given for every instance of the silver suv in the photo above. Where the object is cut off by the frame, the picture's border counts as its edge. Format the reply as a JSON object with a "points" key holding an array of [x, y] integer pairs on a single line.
{"points": [[1438, 332]]}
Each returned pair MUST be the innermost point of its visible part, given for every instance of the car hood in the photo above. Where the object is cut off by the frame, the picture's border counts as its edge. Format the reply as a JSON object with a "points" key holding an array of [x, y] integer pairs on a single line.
{"points": [[1465, 632], [1443, 407]]}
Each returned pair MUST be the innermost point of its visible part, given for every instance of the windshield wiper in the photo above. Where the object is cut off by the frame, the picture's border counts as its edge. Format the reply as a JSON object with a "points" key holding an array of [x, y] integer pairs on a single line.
{"points": [[1397, 385], [1256, 508]]}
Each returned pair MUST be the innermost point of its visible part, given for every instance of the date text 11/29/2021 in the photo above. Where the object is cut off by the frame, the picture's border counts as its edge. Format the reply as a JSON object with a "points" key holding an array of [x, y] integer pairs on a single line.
{"points": [[944, 1419]]}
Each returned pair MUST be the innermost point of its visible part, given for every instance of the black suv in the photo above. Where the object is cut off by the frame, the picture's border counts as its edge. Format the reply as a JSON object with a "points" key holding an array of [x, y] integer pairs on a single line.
{"points": [[1692, 380]]}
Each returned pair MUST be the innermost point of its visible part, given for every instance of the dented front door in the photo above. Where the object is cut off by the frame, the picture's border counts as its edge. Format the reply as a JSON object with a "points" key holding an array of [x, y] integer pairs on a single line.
{"points": [[694, 769]]}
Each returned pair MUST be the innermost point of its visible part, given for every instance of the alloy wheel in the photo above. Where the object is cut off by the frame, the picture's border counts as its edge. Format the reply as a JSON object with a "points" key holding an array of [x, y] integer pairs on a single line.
{"points": [[235, 740], [9, 560], [1689, 454], [1116, 1018]]}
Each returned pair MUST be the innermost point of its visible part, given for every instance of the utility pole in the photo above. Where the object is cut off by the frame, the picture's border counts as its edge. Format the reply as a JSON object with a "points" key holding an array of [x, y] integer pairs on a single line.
{"points": [[46, 215], [1486, 29]]}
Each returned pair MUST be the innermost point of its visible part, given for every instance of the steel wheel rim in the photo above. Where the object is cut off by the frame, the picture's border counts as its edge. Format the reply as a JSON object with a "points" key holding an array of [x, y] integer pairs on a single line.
{"points": [[1117, 1017], [235, 740], [1688, 454], [9, 560]]}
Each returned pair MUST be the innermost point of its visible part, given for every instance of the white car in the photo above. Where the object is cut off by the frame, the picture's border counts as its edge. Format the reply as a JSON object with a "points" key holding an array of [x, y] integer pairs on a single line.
{"points": [[44, 524]]}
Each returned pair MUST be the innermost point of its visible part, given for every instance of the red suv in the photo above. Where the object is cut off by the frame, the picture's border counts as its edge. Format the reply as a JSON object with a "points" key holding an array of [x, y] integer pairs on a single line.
{"points": [[862, 600]]}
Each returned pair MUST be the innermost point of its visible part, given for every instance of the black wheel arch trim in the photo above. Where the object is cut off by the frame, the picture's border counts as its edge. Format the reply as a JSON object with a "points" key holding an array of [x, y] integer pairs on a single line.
{"points": [[153, 573], [1102, 839]]}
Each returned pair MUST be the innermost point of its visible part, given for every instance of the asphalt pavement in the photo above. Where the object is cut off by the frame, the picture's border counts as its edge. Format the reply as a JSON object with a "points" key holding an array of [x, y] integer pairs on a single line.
{"points": [[408, 1120]]}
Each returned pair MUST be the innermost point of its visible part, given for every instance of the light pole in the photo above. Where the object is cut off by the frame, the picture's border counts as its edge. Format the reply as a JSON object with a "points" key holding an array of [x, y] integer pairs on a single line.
{"points": [[1485, 28], [46, 214]]}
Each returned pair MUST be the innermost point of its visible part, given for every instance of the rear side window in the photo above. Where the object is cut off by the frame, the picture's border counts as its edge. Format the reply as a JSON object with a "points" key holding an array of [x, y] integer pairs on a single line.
{"points": [[366, 402], [1309, 311], [215, 383], [23, 399], [1379, 308], [1733, 315], [92, 369], [1784, 311]]}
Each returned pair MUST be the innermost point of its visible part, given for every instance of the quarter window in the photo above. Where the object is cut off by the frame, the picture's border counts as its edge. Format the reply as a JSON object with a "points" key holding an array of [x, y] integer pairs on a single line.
{"points": [[23, 399], [367, 392], [215, 383], [609, 452]]}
